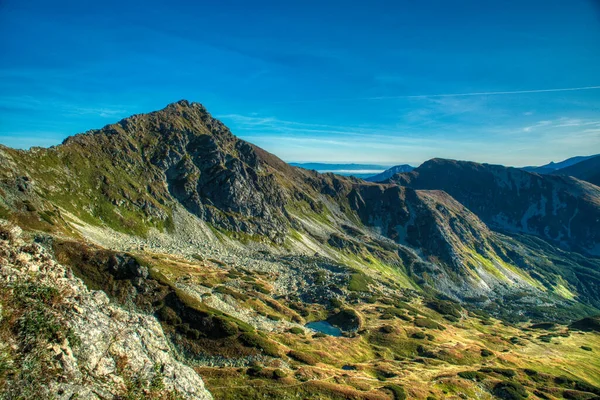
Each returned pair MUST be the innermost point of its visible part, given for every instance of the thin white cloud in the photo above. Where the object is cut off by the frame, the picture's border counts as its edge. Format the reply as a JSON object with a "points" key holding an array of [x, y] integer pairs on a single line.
{"points": [[64, 108], [437, 95], [563, 122]]}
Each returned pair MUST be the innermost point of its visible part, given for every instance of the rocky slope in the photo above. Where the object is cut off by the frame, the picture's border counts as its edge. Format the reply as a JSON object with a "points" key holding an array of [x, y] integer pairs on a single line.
{"points": [[552, 167], [587, 170], [559, 209], [65, 341]]}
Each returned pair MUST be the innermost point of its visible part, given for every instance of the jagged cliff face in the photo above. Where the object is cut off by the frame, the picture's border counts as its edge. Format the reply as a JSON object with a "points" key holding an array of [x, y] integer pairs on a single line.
{"points": [[433, 229], [182, 154], [560, 209]]}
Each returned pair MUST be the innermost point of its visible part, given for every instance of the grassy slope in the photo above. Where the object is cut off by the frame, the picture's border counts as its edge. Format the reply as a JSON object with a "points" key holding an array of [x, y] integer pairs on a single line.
{"points": [[388, 350]]}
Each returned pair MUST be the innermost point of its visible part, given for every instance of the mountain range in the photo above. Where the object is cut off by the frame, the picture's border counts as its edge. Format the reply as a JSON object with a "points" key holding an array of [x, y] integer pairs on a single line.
{"points": [[553, 167], [388, 173], [454, 277], [586, 170]]}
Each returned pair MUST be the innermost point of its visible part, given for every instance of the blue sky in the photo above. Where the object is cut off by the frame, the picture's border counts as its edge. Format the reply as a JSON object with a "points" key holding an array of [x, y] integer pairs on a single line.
{"points": [[380, 81]]}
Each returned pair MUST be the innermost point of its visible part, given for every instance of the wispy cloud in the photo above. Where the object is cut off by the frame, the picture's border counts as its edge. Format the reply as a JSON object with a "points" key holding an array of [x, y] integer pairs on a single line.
{"points": [[438, 95], [64, 108], [563, 122]]}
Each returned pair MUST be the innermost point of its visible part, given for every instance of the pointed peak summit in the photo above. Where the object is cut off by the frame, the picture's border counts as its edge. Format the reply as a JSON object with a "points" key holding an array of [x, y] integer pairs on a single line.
{"points": [[185, 104]]}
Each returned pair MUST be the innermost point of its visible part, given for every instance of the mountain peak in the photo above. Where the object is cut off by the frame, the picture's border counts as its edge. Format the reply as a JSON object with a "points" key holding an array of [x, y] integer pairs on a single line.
{"points": [[184, 104], [180, 117]]}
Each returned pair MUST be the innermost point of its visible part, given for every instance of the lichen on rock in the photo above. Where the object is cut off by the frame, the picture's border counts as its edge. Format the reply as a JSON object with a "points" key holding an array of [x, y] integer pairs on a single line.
{"points": [[63, 340]]}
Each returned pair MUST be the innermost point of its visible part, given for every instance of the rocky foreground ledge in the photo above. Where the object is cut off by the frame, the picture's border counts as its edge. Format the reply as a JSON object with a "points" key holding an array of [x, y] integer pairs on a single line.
{"points": [[60, 340]]}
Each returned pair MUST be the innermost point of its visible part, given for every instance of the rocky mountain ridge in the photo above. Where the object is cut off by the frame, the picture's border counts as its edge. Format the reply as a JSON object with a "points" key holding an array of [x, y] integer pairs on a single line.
{"points": [[587, 170], [130, 176], [233, 252], [560, 209], [388, 173], [553, 167]]}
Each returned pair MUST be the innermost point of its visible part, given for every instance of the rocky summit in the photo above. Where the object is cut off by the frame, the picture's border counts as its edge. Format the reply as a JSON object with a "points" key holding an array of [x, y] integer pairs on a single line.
{"points": [[162, 257]]}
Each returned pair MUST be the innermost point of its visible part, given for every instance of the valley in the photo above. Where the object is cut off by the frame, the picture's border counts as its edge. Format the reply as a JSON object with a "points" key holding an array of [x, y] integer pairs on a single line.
{"points": [[454, 280]]}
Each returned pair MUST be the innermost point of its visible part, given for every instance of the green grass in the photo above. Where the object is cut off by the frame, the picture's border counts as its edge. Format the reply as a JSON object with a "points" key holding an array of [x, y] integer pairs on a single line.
{"points": [[255, 340], [359, 282]]}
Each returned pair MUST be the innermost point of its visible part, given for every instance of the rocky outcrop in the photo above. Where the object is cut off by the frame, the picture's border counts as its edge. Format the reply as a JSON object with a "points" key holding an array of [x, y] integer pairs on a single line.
{"points": [[68, 341], [209, 171]]}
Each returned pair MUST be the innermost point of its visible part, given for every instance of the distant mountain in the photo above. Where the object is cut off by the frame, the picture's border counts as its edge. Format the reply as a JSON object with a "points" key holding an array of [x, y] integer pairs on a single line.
{"points": [[388, 173], [356, 170], [552, 166], [587, 170], [559, 209]]}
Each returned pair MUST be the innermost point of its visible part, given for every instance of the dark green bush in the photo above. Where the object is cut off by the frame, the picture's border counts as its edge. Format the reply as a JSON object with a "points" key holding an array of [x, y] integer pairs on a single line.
{"points": [[228, 328], [510, 391], [541, 395], [427, 323], [445, 307], [251, 339], [279, 374], [383, 374], [254, 370], [387, 329], [486, 353], [575, 395], [335, 303], [544, 325], [303, 357], [472, 375], [586, 387], [296, 330], [418, 335], [397, 391], [347, 320], [509, 373]]}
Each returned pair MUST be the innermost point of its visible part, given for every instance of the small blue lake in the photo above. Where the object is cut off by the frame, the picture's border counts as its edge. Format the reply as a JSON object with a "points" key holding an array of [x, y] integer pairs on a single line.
{"points": [[324, 327]]}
